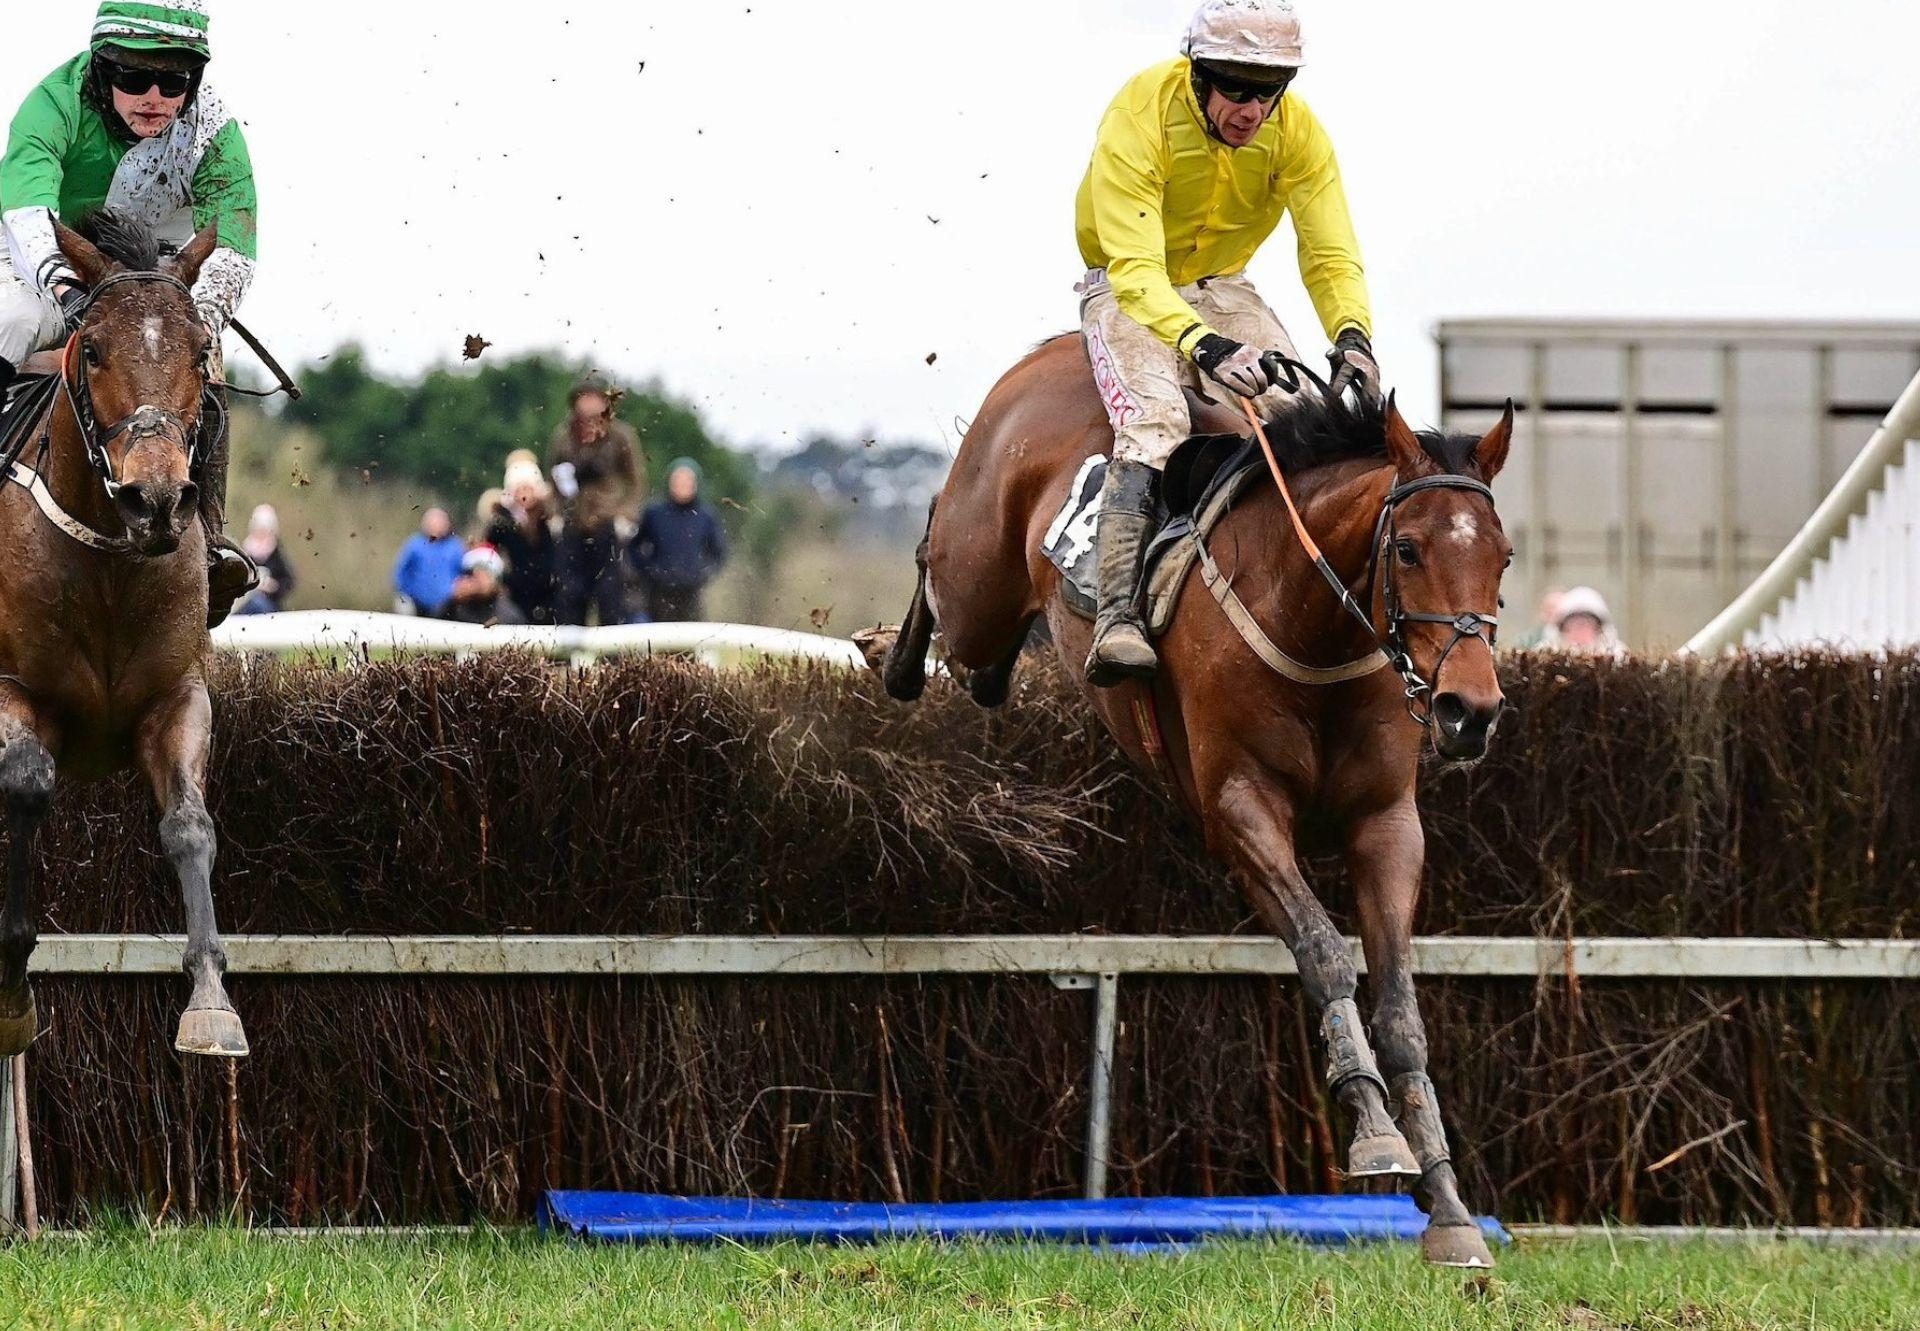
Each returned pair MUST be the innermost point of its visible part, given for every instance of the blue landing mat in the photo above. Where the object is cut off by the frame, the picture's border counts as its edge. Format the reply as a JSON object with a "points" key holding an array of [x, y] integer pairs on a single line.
{"points": [[638, 1217]]}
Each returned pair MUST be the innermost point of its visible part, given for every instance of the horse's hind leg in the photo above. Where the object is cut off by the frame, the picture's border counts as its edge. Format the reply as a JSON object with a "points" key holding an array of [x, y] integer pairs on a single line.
{"points": [[905, 671], [1384, 854], [989, 686], [26, 781], [174, 739], [1253, 824]]}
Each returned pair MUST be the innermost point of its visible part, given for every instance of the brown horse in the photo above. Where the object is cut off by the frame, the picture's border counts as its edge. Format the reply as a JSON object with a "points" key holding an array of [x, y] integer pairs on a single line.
{"points": [[1407, 522], [103, 599]]}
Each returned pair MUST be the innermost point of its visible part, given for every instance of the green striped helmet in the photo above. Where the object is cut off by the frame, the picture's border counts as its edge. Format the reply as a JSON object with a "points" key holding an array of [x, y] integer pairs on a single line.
{"points": [[177, 25]]}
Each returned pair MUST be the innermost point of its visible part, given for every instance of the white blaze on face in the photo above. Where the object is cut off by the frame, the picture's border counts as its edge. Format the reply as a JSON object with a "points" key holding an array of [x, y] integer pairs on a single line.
{"points": [[150, 330], [1465, 532]]}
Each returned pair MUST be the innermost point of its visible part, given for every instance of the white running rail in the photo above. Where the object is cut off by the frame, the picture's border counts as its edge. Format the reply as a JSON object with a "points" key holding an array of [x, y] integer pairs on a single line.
{"points": [[361, 630], [1850, 577]]}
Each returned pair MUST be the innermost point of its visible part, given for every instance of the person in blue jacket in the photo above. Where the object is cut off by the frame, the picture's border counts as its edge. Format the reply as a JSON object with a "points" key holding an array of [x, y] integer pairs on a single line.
{"points": [[679, 547], [429, 562]]}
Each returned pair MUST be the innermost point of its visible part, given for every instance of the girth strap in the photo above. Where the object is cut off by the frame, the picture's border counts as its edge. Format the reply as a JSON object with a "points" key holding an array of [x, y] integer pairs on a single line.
{"points": [[1264, 647]]}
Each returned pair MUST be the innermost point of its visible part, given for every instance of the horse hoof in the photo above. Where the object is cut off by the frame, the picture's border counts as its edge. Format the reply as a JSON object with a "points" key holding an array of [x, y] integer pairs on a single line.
{"points": [[212, 1033], [19, 1030], [875, 643], [1456, 1245], [1386, 1154]]}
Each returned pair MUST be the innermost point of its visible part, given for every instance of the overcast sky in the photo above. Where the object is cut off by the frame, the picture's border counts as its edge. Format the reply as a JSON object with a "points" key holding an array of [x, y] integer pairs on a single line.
{"points": [[781, 208]]}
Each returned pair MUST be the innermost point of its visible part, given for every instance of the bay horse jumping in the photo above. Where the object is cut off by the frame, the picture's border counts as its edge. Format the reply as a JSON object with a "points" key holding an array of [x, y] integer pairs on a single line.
{"points": [[103, 598], [1405, 521]]}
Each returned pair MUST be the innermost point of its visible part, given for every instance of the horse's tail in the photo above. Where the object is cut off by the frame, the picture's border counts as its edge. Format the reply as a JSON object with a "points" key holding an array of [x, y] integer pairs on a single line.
{"points": [[905, 668]]}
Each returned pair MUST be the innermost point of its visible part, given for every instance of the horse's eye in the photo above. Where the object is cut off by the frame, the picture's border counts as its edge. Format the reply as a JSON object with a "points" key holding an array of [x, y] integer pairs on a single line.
{"points": [[1405, 551], [92, 353]]}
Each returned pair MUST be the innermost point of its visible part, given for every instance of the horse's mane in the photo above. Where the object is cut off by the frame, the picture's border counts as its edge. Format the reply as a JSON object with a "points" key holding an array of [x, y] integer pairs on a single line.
{"points": [[1318, 430], [122, 238]]}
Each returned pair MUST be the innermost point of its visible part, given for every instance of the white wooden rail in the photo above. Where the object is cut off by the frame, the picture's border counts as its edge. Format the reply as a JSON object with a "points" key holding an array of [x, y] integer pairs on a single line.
{"points": [[988, 954], [1078, 961]]}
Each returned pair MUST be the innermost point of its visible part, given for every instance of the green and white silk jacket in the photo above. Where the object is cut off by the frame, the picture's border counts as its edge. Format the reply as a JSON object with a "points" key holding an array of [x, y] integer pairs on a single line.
{"points": [[63, 160]]}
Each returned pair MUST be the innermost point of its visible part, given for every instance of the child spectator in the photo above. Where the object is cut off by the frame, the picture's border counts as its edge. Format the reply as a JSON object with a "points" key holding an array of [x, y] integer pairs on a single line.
{"points": [[679, 546], [478, 597]]}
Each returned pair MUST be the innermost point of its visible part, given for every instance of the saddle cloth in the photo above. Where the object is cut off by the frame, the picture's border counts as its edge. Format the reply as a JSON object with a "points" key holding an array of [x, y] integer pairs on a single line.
{"points": [[1202, 480]]}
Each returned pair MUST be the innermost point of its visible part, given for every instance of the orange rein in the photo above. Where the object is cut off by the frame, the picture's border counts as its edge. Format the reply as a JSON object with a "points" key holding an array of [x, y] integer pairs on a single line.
{"points": [[1273, 465]]}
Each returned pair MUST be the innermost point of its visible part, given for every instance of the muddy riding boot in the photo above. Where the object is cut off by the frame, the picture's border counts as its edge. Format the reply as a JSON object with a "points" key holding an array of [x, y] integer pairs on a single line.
{"points": [[1120, 647], [230, 573]]}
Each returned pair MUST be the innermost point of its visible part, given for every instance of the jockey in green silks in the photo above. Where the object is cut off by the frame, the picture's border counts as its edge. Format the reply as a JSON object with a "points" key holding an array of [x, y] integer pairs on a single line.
{"points": [[130, 124]]}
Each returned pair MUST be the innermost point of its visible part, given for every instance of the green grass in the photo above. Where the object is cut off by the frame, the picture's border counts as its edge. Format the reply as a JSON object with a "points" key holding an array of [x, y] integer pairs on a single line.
{"points": [[122, 1277]]}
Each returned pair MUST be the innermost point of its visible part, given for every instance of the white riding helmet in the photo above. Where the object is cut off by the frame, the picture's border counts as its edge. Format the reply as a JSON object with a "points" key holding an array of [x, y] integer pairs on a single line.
{"points": [[1246, 32]]}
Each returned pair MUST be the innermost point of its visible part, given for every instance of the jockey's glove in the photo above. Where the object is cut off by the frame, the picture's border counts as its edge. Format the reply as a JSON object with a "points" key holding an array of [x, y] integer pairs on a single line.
{"points": [[1233, 365], [1352, 361], [73, 305]]}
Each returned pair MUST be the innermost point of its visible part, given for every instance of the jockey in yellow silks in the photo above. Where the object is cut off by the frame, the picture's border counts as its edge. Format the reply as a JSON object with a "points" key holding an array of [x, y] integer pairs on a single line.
{"points": [[1196, 161]]}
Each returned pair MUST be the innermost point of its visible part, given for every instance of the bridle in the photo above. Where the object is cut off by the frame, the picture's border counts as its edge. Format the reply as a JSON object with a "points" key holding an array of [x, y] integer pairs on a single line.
{"points": [[1380, 569], [1392, 643], [145, 421]]}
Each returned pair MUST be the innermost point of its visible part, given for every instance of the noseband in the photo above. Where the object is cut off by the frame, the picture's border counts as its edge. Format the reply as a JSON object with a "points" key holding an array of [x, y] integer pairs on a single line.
{"points": [[143, 422]]}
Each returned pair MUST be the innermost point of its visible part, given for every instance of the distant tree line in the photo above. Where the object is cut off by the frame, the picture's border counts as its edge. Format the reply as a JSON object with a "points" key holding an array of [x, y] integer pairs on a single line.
{"points": [[452, 428]]}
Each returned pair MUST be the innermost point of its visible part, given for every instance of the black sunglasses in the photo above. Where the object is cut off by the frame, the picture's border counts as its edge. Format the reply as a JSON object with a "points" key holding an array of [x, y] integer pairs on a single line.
{"points": [[135, 82], [1240, 93]]}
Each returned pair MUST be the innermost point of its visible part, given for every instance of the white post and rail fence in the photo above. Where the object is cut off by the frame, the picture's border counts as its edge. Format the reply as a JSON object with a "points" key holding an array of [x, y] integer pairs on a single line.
{"points": [[1094, 962]]}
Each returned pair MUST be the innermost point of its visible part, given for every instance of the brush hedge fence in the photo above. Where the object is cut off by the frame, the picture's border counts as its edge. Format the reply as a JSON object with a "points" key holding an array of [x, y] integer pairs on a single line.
{"points": [[1762, 796]]}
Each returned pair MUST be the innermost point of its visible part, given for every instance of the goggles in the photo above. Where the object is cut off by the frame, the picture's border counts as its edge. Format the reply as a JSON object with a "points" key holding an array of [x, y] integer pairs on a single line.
{"points": [[1239, 91], [136, 82]]}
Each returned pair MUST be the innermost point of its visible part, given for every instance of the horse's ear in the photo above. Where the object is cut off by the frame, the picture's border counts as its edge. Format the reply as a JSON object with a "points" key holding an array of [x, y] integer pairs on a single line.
{"points": [[1490, 454], [186, 264], [1403, 446], [91, 265]]}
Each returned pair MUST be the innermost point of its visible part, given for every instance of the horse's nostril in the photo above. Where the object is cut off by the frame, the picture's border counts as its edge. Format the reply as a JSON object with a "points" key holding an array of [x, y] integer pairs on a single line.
{"points": [[134, 505], [189, 499], [1450, 711]]}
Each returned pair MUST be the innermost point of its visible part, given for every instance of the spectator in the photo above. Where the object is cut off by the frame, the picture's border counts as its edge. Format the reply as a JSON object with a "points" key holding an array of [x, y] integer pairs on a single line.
{"points": [[1582, 623], [429, 562], [262, 545], [595, 464], [520, 527], [478, 597], [679, 546]]}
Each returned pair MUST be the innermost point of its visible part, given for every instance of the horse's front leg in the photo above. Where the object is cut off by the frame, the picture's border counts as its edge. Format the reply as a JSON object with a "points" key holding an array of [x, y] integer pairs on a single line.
{"points": [[174, 739], [1256, 832], [26, 783], [1385, 851]]}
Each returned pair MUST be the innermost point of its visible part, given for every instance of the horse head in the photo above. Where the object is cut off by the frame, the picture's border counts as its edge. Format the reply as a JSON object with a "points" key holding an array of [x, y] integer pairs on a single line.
{"points": [[135, 371], [1439, 553]]}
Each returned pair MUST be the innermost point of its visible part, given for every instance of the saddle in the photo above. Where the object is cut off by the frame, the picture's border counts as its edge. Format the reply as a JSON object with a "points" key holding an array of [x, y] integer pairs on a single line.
{"points": [[1203, 479], [23, 405]]}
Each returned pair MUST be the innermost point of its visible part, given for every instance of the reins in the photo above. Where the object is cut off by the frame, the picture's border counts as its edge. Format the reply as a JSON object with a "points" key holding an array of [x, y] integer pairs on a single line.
{"points": [[1392, 644]]}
